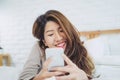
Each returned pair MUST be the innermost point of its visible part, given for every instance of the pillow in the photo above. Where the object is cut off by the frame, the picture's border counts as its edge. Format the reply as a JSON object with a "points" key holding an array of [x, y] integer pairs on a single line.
{"points": [[97, 47], [113, 60], [114, 43]]}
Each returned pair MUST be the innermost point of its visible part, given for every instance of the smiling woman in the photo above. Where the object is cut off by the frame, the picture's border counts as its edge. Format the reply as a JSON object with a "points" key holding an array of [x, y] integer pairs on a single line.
{"points": [[53, 29], [54, 35]]}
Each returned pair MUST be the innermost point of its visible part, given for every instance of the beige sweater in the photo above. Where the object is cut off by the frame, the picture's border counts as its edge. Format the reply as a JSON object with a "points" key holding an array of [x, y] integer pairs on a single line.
{"points": [[33, 63]]}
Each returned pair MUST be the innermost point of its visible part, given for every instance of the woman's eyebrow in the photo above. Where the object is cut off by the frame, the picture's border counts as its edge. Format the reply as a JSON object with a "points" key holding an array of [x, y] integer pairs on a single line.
{"points": [[49, 31]]}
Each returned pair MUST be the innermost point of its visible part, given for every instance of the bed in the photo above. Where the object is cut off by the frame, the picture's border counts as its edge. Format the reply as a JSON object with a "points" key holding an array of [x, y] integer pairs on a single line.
{"points": [[103, 47], [8, 72], [98, 44]]}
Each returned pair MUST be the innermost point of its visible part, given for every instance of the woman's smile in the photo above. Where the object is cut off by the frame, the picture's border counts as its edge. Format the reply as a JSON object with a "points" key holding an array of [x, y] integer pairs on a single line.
{"points": [[61, 45]]}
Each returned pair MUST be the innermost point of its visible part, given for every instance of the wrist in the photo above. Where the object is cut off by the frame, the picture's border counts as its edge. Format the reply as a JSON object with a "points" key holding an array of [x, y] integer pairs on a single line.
{"points": [[37, 77]]}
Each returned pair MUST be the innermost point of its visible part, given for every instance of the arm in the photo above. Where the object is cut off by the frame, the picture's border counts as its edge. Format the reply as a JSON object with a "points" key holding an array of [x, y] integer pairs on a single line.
{"points": [[74, 73], [32, 64], [45, 73], [31, 69]]}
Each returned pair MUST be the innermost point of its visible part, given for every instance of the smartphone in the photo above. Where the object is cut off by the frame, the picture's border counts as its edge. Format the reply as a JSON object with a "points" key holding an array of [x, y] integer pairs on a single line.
{"points": [[56, 54]]}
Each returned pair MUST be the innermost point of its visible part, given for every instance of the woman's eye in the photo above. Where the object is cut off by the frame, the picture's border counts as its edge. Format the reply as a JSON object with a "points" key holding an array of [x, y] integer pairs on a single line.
{"points": [[50, 34], [61, 30]]}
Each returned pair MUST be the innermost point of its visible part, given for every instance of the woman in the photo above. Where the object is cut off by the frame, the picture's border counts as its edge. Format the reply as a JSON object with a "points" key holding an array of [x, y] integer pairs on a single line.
{"points": [[53, 29]]}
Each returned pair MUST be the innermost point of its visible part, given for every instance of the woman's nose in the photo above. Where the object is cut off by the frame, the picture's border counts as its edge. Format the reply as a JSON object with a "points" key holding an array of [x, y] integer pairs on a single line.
{"points": [[58, 37]]}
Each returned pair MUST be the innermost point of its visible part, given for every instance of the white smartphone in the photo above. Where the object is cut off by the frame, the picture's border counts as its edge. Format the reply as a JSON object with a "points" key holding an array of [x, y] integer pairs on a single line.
{"points": [[56, 54]]}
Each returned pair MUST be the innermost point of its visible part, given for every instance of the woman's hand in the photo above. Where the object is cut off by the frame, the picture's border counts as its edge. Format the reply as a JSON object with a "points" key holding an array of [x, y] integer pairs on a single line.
{"points": [[44, 73], [74, 72]]}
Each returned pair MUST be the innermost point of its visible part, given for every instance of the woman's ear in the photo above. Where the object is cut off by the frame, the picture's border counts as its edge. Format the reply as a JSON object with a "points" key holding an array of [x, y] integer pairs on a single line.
{"points": [[44, 42]]}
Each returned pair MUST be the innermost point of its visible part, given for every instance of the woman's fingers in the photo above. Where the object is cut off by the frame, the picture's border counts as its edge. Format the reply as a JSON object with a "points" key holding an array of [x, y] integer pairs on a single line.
{"points": [[67, 60], [68, 68], [56, 73], [64, 78], [46, 63], [45, 73], [62, 69], [50, 74]]}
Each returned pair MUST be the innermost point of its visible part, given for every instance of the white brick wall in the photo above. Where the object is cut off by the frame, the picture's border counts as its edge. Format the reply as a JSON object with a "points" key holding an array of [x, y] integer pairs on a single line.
{"points": [[17, 17]]}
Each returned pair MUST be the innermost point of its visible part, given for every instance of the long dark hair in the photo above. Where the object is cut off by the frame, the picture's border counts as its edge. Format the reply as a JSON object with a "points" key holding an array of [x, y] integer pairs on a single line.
{"points": [[74, 49]]}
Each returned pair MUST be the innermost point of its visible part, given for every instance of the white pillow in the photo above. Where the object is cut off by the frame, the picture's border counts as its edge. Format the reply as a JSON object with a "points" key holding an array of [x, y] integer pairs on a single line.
{"points": [[97, 46], [114, 43], [109, 60]]}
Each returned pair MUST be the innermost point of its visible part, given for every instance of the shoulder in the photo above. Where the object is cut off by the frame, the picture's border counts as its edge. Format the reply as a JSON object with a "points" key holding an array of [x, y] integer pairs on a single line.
{"points": [[36, 50], [35, 55], [36, 47]]}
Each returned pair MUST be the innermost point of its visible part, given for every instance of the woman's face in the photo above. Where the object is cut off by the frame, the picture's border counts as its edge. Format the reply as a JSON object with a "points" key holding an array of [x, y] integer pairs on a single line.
{"points": [[54, 35]]}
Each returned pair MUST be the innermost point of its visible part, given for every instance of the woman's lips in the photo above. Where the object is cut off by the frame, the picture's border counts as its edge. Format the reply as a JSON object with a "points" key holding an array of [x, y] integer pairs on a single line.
{"points": [[61, 45]]}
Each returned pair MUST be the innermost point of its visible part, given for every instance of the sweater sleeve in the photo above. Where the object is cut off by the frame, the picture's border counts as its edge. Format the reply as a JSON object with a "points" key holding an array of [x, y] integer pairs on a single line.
{"points": [[32, 65]]}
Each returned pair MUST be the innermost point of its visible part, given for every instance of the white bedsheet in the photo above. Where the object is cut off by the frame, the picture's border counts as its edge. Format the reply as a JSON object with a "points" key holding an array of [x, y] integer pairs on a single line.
{"points": [[107, 72], [9, 73], [113, 60]]}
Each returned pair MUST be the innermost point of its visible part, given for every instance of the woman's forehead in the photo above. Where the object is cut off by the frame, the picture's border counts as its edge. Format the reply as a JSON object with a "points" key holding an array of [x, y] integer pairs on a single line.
{"points": [[51, 25]]}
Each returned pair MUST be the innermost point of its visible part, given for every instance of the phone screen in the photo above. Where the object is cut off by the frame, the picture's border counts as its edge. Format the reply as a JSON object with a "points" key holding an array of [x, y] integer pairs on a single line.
{"points": [[56, 54]]}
